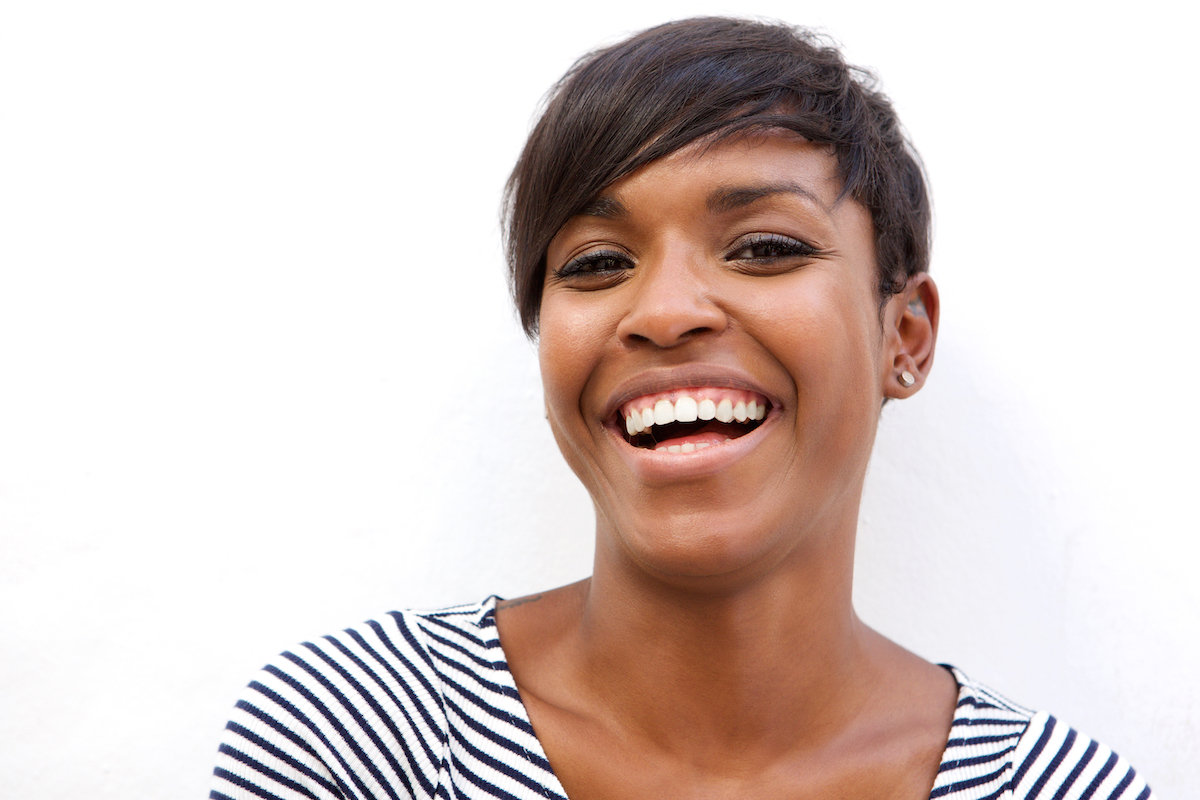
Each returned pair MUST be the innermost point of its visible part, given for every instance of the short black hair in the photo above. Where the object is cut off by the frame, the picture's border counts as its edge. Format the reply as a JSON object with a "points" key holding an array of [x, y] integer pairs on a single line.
{"points": [[624, 106]]}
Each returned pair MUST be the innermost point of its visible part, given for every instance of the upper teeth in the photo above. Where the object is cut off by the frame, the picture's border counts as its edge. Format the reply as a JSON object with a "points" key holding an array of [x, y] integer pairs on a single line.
{"points": [[688, 408]]}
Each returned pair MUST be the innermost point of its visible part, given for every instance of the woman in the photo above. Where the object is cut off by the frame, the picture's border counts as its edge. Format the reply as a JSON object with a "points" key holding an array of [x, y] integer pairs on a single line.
{"points": [[719, 236]]}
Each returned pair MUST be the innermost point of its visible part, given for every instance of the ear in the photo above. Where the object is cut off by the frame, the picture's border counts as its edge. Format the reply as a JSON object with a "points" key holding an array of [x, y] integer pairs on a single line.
{"points": [[910, 324]]}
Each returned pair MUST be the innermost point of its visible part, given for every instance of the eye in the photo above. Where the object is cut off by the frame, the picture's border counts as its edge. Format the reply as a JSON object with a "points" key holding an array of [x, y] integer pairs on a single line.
{"points": [[595, 268], [771, 250]]}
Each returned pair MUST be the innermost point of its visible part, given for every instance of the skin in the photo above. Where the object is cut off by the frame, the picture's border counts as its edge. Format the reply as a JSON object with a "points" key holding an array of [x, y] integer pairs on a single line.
{"points": [[715, 651]]}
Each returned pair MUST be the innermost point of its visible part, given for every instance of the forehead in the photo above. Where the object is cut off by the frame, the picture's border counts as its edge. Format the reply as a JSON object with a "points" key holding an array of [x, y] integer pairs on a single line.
{"points": [[726, 176], [759, 150]]}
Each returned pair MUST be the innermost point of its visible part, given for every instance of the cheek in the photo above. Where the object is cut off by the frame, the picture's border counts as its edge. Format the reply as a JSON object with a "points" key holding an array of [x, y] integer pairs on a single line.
{"points": [[825, 323], [826, 335], [847, 399], [568, 350], [568, 353]]}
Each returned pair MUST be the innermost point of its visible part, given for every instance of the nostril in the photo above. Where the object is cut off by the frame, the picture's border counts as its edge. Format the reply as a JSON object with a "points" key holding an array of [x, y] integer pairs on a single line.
{"points": [[667, 338]]}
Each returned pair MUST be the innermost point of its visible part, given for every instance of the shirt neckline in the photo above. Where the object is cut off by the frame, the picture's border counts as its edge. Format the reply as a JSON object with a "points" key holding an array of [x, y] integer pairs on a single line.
{"points": [[487, 618]]}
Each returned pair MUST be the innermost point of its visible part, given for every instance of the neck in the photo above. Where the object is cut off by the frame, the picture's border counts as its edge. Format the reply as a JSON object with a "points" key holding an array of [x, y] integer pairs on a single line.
{"points": [[734, 661]]}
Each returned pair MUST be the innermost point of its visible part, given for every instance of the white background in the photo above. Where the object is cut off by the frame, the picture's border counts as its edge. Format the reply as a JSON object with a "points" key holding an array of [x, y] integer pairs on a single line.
{"points": [[259, 379]]}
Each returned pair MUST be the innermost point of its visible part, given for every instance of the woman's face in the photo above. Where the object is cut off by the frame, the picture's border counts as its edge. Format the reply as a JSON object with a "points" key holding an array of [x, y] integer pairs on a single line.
{"points": [[727, 289]]}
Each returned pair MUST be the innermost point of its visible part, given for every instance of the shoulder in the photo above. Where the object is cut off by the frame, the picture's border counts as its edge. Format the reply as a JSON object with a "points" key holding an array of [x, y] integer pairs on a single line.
{"points": [[999, 749], [1054, 759], [359, 712]]}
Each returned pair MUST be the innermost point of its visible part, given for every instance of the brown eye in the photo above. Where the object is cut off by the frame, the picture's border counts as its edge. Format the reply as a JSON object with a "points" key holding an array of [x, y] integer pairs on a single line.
{"points": [[769, 248], [599, 264]]}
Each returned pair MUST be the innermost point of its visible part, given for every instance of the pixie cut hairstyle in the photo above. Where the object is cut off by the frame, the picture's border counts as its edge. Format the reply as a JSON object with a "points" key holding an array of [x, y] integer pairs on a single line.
{"points": [[712, 78]]}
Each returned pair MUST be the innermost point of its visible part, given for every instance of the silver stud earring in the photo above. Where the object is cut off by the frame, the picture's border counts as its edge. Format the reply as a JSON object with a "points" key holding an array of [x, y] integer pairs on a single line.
{"points": [[907, 379]]}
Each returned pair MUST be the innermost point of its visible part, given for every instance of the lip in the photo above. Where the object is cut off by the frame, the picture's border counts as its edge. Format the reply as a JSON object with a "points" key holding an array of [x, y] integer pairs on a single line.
{"points": [[654, 466], [660, 466], [691, 376]]}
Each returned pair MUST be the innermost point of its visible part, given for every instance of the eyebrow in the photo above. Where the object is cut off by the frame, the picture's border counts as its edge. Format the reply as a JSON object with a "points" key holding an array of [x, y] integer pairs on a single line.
{"points": [[722, 201], [606, 207]]}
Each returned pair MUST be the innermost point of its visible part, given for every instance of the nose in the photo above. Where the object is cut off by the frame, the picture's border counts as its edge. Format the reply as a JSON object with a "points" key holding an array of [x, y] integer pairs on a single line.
{"points": [[672, 304]]}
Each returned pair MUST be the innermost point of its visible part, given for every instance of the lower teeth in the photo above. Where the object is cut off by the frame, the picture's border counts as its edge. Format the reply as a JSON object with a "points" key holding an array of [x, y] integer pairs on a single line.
{"points": [[686, 447]]}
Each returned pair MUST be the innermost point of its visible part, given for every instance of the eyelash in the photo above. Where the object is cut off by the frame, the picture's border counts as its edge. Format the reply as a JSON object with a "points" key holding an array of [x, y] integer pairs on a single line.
{"points": [[783, 247], [593, 265]]}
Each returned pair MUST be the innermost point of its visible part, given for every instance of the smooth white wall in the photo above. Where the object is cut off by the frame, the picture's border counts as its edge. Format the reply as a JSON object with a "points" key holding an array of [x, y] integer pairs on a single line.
{"points": [[259, 380]]}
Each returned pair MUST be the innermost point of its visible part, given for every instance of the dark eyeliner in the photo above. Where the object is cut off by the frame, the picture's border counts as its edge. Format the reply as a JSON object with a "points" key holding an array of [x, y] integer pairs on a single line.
{"points": [[785, 247], [589, 264]]}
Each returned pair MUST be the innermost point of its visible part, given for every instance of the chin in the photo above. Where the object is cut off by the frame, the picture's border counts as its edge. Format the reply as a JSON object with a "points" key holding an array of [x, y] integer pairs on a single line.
{"points": [[703, 550], [707, 542]]}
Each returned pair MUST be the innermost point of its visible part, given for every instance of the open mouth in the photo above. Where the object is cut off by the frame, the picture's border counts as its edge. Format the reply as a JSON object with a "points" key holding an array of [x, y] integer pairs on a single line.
{"points": [[687, 420]]}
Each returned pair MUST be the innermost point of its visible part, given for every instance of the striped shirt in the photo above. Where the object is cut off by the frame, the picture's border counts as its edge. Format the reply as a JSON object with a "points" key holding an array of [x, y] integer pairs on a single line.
{"points": [[422, 705]]}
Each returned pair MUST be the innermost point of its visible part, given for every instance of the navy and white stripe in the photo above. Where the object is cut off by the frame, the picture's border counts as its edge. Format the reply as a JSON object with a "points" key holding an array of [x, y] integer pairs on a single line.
{"points": [[997, 749], [422, 705]]}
